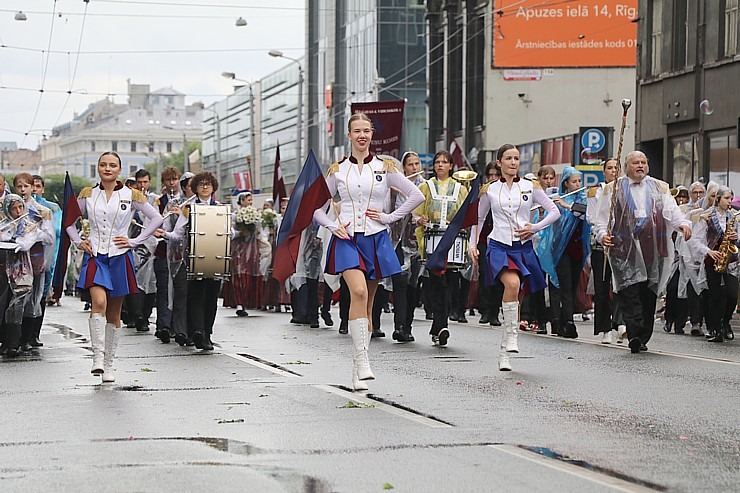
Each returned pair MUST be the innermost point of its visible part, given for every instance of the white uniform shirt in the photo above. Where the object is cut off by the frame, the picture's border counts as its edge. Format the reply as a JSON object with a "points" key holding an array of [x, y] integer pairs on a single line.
{"points": [[360, 191], [510, 209], [593, 202], [698, 242], [111, 218]]}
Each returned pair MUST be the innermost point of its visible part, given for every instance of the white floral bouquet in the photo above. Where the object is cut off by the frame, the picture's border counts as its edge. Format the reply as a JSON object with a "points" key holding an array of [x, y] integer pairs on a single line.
{"points": [[247, 218], [268, 218]]}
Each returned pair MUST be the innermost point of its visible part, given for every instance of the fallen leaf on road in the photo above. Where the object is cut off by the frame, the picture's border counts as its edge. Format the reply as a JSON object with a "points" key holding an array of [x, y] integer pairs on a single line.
{"points": [[387, 486], [147, 370], [225, 421], [353, 405]]}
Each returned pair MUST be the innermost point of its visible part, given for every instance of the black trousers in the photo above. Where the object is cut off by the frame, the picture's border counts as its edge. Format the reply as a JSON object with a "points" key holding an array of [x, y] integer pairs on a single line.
{"points": [[179, 314], [602, 292], [305, 302], [562, 300], [344, 300], [695, 305], [722, 298], [381, 298], [328, 293], [162, 274], [202, 305], [440, 299], [637, 303], [459, 293], [405, 299], [426, 295]]}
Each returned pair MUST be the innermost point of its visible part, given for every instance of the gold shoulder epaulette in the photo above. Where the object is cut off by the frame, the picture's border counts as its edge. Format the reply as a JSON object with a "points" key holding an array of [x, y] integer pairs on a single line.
{"points": [[185, 211], [591, 193], [333, 169], [484, 188], [389, 166], [609, 187], [138, 196], [704, 216], [85, 193]]}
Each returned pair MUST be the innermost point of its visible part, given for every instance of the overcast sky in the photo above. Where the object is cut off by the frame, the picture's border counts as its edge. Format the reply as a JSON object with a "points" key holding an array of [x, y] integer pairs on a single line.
{"points": [[185, 44]]}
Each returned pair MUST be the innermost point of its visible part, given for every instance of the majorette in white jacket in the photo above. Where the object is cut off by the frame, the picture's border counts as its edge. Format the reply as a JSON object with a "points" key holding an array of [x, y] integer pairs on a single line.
{"points": [[369, 190], [112, 218]]}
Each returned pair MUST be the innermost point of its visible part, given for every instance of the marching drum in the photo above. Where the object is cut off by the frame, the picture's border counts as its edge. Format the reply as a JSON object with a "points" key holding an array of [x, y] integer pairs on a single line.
{"points": [[458, 250], [210, 242]]}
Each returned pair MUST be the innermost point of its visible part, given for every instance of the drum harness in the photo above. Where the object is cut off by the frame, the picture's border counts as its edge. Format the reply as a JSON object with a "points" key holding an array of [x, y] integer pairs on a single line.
{"points": [[444, 199]]}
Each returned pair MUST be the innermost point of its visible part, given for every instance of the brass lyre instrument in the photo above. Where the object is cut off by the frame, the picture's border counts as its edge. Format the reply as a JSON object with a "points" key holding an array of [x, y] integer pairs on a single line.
{"points": [[465, 176], [726, 249], [626, 103]]}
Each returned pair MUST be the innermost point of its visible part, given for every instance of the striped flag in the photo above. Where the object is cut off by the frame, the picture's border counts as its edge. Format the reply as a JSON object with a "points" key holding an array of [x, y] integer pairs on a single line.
{"points": [[278, 184], [70, 214], [310, 193]]}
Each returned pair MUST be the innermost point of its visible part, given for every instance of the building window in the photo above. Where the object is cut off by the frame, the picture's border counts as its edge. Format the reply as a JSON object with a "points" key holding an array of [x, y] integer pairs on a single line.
{"points": [[685, 156], [151, 147], [656, 37], [169, 146], [730, 31], [92, 170], [114, 145], [724, 158], [680, 33], [92, 146], [132, 169], [133, 146]]}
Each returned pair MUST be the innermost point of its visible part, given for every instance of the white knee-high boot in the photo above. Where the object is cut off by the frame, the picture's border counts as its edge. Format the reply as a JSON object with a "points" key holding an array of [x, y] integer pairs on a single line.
{"points": [[97, 332], [361, 342], [511, 323], [111, 343]]}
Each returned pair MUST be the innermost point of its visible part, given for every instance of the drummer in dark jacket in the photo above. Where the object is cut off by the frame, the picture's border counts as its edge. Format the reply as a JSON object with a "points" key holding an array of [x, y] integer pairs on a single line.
{"points": [[202, 293]]}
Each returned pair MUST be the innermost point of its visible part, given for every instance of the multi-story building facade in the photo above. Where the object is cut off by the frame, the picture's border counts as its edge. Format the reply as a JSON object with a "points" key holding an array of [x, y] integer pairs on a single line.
{"points": [[152, 124], [688, 72], [360, 51], [502, 72]]}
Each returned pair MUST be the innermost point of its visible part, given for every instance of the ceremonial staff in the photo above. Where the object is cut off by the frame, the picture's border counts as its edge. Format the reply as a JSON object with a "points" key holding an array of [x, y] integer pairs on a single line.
{"points": [[626, 103]]}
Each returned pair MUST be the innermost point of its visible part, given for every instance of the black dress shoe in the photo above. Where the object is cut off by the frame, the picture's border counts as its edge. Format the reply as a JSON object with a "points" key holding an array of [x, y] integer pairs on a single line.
{"points": [[26, 347], [495, 322], [327, 318], [643, 348], [541, 330], [484, 320], [181, 338], [635, 345], [444, 334], [198, 339], [35, 342], [377, 333], [410, 337], [399, 335], [570, 331], [11, 353], [343, 327], [163, 335], [189, 342], [315, 325], [717, 336], [142, 325], [454, 316], [241, 313], [207, 344], [461, 318]]}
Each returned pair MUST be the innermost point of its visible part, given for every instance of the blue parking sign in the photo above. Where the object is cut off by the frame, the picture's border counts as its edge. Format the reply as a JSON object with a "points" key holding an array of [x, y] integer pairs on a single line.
{"points": [[593, 139]]}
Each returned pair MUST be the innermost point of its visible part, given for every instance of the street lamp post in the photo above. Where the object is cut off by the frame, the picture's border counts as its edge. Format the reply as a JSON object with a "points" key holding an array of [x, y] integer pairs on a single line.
{"points": [[280, 54], [217, 144], [252, 149]]}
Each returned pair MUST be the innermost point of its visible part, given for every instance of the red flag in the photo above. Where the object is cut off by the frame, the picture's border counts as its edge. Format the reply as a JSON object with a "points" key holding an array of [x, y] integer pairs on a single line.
{"points": [[278, 184], [457, 154], [70, 214], [242, 180]]}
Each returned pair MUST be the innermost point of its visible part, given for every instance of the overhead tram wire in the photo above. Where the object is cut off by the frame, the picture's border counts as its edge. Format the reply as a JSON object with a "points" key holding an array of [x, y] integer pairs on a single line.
{"points": [[43, 82], [74, 71]]}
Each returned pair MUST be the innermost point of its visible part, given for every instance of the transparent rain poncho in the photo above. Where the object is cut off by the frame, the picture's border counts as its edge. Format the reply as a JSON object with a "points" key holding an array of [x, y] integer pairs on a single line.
{"points": [[308, 265], [641, 250], [18, 267]]}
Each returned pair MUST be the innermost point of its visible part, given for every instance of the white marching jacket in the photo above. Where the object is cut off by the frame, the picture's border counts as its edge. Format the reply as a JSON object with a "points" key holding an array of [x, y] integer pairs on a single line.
{"points": [[369, 190], [112, 218]]}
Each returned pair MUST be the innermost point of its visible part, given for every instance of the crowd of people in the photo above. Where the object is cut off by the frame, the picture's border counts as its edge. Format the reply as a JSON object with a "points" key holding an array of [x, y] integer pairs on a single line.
{"points": [[544, 250]]}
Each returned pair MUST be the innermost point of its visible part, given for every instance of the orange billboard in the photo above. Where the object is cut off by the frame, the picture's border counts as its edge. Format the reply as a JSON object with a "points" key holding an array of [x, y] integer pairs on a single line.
{"points": [[554, 33]]}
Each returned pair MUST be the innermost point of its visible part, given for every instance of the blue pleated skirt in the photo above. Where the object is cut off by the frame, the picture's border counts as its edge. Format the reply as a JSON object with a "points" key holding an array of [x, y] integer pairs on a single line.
{"points": [[519, 257], [372, 254], [116, 274]]}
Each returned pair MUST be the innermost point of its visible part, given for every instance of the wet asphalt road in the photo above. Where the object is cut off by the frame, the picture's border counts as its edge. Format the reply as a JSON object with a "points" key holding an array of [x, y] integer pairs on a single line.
{"points": [[268, 410]]}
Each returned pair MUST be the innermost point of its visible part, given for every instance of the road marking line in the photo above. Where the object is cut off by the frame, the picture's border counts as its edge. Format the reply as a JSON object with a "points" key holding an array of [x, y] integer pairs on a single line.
{"points": [[353, 396], [276, 370], [593, 476]]}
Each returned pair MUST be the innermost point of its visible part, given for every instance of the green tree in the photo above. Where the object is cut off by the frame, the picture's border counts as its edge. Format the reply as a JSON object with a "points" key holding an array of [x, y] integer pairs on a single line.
{"points": [[54, 186], [175, 159]]}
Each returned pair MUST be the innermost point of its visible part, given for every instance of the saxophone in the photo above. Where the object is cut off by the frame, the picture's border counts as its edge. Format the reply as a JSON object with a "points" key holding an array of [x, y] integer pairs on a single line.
{"points": [[726, 248]]}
